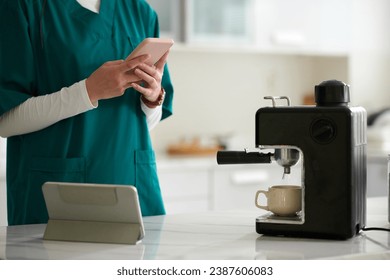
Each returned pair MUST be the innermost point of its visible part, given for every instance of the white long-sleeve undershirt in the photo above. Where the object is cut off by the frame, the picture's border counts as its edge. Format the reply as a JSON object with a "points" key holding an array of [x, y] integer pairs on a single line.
{"points": [[93, 5], [39, 112]]}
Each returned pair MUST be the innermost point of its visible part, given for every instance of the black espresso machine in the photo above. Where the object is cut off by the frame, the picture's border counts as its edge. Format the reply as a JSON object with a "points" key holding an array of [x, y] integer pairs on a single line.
{"points": [[329, 141]]}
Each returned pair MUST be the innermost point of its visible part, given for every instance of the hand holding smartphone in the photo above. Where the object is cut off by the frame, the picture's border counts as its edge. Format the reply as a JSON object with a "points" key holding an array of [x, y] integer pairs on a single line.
{"points": [[99, 84]]}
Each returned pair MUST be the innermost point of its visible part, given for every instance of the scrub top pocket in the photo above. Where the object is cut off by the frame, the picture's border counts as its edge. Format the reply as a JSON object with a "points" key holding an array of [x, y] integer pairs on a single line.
{"points": [[57, 170], [147, 183], [49, 170]]}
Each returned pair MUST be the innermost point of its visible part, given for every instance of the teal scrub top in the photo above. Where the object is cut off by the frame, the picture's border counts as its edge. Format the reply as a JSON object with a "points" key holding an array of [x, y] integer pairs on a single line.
{"points": [[42, 51]]}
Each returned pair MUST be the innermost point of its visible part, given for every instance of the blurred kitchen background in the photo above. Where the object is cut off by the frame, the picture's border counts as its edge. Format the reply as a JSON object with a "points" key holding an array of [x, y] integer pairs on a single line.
{"points": [[228, 55]]}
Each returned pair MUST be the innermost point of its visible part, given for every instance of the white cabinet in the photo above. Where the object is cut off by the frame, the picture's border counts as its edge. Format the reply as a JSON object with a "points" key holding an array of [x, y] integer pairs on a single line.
{"points": [[220, 21], [185, 184], [185, 191], [204, 21], [303, 26], [322, 26]]}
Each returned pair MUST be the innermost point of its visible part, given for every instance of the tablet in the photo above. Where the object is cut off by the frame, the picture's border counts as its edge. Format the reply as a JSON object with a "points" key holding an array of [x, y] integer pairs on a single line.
{"points": [[93, 212], [156, 47]]}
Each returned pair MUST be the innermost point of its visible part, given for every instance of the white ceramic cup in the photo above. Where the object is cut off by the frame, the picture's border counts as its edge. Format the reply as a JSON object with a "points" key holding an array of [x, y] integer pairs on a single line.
{"points": [[282, 200]]}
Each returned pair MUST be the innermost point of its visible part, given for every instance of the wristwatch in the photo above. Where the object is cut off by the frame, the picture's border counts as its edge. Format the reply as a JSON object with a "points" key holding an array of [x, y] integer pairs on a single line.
{"points": [[158, 102]]}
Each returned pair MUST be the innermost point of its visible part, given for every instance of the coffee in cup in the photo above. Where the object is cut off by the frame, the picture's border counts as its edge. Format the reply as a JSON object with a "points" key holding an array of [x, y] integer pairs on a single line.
{"points": [[282, 200]]}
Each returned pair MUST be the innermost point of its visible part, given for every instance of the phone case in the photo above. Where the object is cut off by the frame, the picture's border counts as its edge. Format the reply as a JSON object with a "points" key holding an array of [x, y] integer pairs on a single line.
{"points": [[156, 47]]}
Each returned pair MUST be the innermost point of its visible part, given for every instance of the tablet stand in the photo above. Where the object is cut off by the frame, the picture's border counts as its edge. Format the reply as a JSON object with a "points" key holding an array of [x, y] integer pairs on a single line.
{"points": [[92, 231]]}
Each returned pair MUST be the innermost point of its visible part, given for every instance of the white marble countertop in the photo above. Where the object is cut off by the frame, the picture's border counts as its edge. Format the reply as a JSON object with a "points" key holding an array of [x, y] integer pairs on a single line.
{"points": [[211, 235]]}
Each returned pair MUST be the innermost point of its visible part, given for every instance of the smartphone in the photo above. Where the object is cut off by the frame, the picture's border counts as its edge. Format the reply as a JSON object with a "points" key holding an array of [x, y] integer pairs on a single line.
{"points": [[156, 47]]}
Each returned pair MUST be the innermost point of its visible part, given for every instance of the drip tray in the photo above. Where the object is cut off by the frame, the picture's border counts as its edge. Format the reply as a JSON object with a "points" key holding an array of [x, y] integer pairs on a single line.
{"points": [[274, 219]]}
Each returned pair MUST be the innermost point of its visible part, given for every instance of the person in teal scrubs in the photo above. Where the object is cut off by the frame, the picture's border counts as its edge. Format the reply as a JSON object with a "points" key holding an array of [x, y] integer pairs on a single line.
{"points": [[47, 47]]}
